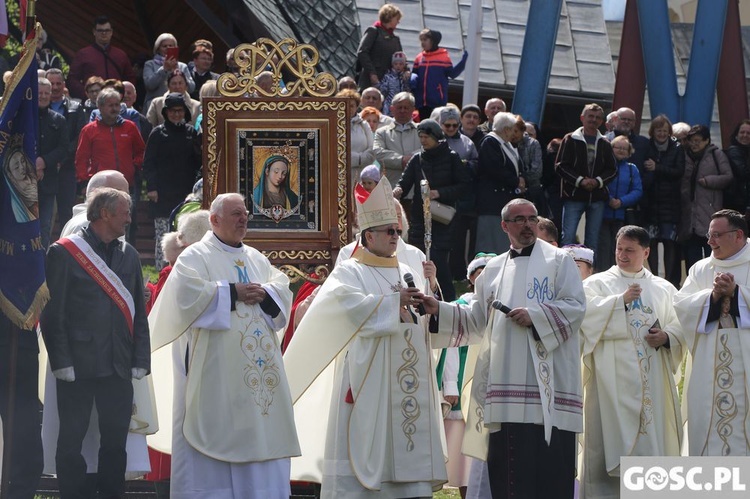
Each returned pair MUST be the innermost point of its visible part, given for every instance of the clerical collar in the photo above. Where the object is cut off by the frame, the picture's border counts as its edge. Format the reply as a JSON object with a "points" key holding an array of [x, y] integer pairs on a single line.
{"points": [[632, 275], [363, 256], [228, 247], [524, 251]]}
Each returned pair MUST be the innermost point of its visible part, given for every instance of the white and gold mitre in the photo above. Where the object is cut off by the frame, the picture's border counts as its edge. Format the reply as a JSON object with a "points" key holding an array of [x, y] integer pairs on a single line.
{"points": [[377, 207]]}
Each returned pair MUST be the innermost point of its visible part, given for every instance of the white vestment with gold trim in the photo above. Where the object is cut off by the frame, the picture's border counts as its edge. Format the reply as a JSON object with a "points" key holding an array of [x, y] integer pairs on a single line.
{"points": [[234, 428], [716, 389], [384, 436], [630, 394]]}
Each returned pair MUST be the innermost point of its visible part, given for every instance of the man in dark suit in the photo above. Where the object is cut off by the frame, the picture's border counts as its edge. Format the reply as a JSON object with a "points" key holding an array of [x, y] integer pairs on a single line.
{"points": [[73, 113], [97, 336], [52, 150]]}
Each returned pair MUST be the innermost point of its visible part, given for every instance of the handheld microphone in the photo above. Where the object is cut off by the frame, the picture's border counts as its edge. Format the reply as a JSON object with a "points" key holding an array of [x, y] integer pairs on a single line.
{"points": [[498, 305], [409, 280]]}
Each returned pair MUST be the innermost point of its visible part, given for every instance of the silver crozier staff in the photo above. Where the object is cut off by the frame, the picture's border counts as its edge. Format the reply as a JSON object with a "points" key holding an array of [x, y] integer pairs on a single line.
{"points": [[424, 186]]}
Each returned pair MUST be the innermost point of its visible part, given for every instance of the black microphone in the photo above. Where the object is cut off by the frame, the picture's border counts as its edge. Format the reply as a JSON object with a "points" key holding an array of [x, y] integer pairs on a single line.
{"points": [[498, 305], [409, 280]]}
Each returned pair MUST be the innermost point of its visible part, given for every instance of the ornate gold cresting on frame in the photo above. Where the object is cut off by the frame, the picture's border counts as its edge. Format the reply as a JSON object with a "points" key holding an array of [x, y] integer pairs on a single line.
{"points": [[298, 59], [298, 62]]}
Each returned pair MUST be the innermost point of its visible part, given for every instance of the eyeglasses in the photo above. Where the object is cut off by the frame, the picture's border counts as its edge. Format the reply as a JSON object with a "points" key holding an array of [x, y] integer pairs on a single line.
{"points": [[391, 232], [103, 31], [93, 90], [450, 125], [621, 148], [717, 235], [533, 220]]}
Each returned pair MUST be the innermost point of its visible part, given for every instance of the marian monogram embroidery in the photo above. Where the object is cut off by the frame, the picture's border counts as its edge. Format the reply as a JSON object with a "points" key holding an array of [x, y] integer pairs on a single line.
{"points": [[241, 272], [540, 291]]}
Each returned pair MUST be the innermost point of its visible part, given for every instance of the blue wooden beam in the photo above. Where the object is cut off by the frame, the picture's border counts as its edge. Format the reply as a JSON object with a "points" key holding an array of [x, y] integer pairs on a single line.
{"points": [[536, 59], [658, 58], [705, 54]]}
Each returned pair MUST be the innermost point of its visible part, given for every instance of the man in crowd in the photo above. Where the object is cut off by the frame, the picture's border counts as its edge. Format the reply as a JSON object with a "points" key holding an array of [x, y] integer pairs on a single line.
{"points": [[99, 59], [371, 97], [97, 337], [52, 150], [384, 424], [630, 333], [200, 70], [491, 108], [73, 113], [111, 143], [625, 125], [586, 164], [713, 309], [470, 124], [527, 380], [222, 307], [128, 99], [396, 143]]}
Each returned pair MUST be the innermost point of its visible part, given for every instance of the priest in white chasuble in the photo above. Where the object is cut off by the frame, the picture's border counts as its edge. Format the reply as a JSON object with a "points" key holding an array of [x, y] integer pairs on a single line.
{"points": [[384, 432], [713, 309], [632, 346], [220, 310], [526, 401]]}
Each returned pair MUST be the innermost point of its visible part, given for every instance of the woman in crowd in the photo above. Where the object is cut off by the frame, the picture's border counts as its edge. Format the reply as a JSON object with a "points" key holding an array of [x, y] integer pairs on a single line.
{"points": [[500, 180], [707, 174], [377, 46], [171, 164], [530, 152], [624, 192], [156, 71], [662, 171], [466, 216], [371, 116], [176, 83], [92, 88], [361, 137], [739, 153], [449, 182]]}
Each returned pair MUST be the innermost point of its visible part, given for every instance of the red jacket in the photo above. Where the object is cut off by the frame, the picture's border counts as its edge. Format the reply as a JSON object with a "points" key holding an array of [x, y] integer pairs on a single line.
{"points": [[101, 147], [95, 61]]}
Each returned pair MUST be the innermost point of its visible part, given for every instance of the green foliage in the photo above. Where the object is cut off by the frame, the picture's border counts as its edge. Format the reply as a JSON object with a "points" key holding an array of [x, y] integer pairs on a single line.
{"points": [[150, 274], [13, 46]]}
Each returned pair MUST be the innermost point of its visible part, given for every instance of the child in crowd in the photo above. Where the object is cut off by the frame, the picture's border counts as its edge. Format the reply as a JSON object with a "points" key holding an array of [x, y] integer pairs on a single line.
{"points": [[584, 258], [432, 68], [395, 80], [369, 177]]}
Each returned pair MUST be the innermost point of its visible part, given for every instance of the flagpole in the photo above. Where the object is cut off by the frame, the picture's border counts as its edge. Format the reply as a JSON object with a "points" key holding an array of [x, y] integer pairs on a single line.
{"points": [[30, 26]]}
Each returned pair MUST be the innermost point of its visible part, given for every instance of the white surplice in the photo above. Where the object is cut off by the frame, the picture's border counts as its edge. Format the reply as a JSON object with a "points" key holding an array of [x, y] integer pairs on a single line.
{"points": [[518, 379]]}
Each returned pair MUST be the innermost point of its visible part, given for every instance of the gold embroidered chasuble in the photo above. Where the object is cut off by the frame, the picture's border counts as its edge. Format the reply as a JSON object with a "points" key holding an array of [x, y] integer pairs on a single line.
{"points": [[630, 394], [716, 386], [238, 405], [384, 435]]}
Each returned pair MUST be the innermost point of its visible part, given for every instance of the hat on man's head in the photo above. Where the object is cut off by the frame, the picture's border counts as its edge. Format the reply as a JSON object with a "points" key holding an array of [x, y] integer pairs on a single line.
{"points": [[479, 261], [371, 172], [580, 253], [398, 56], [377, 207], [431, 127]]}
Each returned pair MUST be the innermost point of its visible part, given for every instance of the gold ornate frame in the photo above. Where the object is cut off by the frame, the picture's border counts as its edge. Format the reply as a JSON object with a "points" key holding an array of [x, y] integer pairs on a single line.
{"points": [[307, 106]]}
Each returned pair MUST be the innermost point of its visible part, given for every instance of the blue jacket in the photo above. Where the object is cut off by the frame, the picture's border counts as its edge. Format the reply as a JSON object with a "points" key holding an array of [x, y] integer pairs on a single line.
{"points": [[626, 187], [429, 78]]}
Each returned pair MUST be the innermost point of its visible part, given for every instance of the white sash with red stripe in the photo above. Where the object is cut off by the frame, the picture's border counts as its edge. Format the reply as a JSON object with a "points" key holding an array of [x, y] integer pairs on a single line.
{"points": [[93, 264]]}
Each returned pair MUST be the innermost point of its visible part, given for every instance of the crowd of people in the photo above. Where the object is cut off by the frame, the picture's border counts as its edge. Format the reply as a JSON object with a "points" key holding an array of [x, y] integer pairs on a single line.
{"points": [[547, 333]]}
